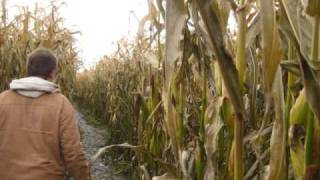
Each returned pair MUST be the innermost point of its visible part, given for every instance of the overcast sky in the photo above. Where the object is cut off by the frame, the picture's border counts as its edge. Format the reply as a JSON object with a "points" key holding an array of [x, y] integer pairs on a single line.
{"points": [[101, 22]]}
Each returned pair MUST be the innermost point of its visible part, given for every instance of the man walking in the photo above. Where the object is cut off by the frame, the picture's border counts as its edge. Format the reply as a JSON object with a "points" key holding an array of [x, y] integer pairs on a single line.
{"points": [[39, 136]]}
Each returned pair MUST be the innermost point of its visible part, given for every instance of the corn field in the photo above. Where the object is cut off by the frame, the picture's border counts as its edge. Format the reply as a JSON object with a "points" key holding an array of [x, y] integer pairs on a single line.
{"points": [[32, 29], [195, 96]]}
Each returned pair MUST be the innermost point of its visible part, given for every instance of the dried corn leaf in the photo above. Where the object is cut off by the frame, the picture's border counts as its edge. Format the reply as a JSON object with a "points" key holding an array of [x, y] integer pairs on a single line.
{"points": [[164, 177], [176, 15], [289, 25], [278, 142], [270, 43], [214, 124]]}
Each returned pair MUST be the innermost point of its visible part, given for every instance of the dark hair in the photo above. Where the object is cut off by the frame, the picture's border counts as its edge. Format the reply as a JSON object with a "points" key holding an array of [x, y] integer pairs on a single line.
{"points": [[41, 62]]}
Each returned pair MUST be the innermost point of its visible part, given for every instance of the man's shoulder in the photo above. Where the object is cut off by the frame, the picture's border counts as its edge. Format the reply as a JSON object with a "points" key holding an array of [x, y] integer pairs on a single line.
{"points": [[6, 93], [57, 95], [60, 97], [66, 105]]}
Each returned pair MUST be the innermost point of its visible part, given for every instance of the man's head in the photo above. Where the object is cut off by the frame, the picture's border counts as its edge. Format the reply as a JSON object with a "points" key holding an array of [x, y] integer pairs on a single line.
{"points": [[42, 63]]}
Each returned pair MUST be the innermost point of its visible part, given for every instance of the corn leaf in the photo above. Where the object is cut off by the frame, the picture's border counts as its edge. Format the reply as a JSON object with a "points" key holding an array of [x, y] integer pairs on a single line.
{"points": [[270, 43], [278, 139], [175, 21], [230, 77], [214, 124], [310, 80]]}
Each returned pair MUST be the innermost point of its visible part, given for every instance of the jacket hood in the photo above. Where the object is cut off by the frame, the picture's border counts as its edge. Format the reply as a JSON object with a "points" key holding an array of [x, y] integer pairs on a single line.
{"points": [[33, 87]]}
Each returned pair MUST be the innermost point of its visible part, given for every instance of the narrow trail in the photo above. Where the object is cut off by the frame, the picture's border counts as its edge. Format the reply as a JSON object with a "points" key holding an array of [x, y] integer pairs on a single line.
{"points": [[92, 139]]}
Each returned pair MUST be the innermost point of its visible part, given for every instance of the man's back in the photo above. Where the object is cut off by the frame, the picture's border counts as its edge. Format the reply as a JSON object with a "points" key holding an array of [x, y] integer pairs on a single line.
{"points": [[37, 137]]}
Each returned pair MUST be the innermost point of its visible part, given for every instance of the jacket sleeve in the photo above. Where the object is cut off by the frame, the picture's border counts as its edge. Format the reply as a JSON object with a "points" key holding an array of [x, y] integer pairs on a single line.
{"points": [[71, 149]]}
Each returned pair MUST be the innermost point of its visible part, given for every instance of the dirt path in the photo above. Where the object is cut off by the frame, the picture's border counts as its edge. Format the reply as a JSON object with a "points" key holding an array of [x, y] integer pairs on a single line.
{"points": [[93, 139]]}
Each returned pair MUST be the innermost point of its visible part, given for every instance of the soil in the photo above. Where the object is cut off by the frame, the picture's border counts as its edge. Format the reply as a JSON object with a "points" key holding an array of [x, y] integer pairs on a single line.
{"points": [[92, 139]]}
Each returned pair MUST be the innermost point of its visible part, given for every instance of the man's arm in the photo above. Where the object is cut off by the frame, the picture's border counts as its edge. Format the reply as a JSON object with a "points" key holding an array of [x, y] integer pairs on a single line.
{"points": [[74, 158]]}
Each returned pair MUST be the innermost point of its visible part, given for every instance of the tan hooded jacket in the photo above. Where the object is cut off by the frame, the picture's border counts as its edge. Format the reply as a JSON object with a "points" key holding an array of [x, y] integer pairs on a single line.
{"points": [[39, 136]]}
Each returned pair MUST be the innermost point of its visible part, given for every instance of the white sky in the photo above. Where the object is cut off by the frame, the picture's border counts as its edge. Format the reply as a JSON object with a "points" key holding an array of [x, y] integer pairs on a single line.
{"points": [[101, 22]]}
